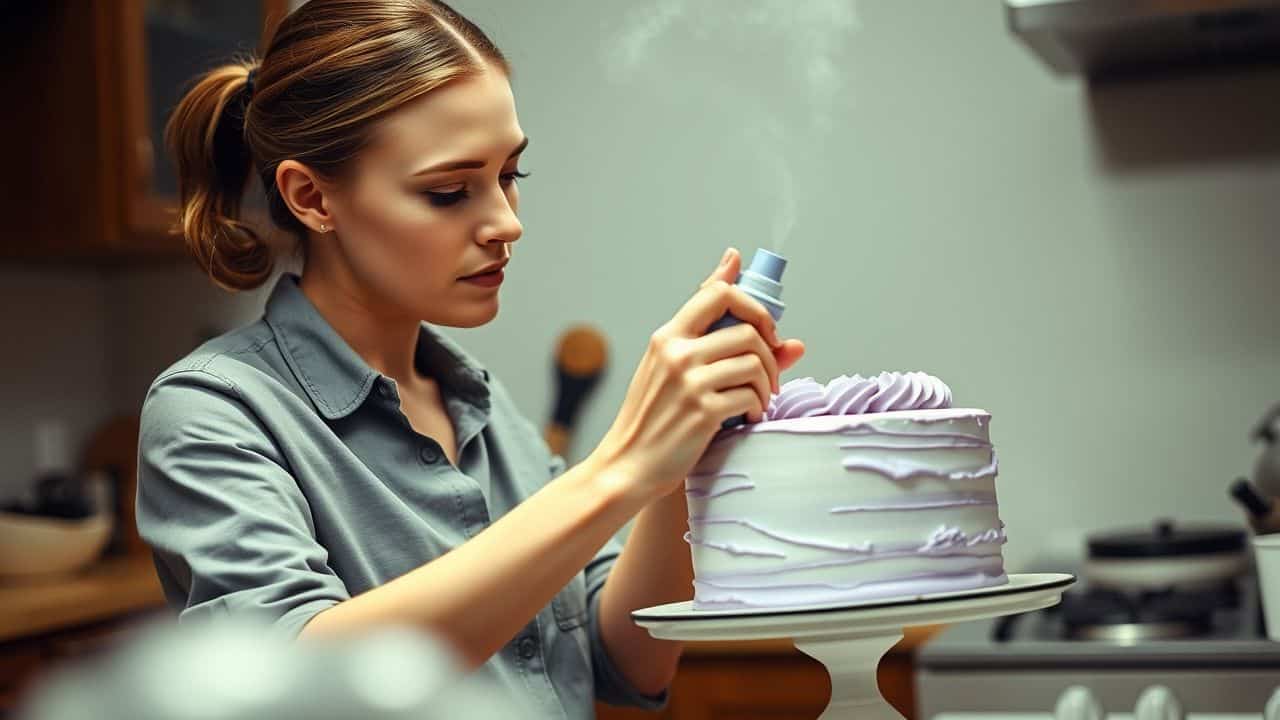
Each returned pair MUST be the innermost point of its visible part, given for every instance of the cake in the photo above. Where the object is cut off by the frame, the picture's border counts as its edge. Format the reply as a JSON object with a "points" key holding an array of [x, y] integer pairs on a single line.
{"points": [[857, 489]]}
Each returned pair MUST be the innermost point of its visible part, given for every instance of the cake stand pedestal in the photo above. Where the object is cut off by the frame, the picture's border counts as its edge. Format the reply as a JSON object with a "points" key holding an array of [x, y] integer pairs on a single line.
{"points": [[849, 639]]}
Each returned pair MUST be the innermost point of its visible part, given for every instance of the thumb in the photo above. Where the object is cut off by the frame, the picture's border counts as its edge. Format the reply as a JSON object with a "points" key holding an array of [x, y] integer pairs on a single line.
{"points": [[789, 353], [728, 269]]}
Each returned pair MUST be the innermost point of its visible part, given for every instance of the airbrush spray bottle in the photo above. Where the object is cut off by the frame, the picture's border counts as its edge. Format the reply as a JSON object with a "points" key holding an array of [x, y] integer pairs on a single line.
{"points": [[761, 280]]}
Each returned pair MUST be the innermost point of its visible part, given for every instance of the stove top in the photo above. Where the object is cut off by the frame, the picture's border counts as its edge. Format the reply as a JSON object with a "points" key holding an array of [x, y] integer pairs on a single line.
{"points": [[1113, 616], [1219, 627], [1208, 650]]}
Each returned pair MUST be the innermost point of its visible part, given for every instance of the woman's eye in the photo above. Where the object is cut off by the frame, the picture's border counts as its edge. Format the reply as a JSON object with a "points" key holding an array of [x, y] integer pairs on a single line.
{"points": [[445, 199], [508, 178]]}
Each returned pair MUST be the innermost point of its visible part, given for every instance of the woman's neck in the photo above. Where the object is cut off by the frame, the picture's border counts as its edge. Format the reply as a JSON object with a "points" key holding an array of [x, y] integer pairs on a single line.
{"points": [[385, 340]]}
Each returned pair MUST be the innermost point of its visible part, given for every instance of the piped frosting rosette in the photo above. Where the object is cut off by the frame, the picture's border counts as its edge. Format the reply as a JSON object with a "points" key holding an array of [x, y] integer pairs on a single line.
{"points": [[857, 395]]}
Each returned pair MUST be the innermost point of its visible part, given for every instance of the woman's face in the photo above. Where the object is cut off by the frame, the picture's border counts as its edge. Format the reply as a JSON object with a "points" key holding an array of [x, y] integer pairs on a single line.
{"points": [[430, 201]]}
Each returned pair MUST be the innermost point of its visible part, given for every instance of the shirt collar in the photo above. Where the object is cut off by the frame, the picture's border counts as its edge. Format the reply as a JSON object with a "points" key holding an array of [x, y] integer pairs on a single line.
{"points": [[336, 378]]}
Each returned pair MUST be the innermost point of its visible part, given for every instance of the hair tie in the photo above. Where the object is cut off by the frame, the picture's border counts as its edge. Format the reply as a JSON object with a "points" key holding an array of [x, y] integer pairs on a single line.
{"points": [[248, 81]]}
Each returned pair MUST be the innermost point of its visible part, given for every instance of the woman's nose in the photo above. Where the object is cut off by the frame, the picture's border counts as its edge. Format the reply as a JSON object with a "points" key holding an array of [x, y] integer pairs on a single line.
{"points": [[503, 225]]}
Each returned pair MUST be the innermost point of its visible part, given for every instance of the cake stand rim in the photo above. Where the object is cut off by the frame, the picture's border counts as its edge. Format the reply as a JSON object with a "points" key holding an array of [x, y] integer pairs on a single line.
{"points": [[1049, 581]]}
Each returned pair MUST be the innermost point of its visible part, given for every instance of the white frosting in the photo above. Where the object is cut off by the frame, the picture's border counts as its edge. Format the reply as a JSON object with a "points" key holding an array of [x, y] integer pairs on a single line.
{"points": [[829, 508]]}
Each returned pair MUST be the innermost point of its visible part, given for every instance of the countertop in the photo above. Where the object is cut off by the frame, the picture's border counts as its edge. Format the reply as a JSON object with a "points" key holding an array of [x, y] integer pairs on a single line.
{"points": [[111, 588], [122, 585]]}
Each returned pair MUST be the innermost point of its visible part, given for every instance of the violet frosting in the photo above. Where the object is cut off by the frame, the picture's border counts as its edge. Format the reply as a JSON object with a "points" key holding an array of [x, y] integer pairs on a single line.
{"points": [[857, 395]]}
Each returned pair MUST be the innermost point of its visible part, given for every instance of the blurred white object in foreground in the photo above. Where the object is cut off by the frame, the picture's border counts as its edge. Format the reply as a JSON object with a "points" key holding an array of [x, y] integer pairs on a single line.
{"points": [[237, 670]]}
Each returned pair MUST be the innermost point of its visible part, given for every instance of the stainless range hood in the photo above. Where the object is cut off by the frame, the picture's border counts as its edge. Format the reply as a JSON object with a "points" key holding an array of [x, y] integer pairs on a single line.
{"points": [[1100, 38]]}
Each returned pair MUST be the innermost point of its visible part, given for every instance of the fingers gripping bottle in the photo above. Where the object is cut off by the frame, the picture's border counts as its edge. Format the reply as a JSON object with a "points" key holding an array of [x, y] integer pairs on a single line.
{"points": [[761, 280]]}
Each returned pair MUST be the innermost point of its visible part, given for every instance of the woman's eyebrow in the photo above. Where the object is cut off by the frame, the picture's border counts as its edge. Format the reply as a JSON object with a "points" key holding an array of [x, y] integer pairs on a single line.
{"points": [[468, 164]]}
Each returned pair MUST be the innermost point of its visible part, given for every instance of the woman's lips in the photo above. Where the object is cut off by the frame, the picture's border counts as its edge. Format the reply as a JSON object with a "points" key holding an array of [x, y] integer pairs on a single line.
{"points": [[489, 279]]}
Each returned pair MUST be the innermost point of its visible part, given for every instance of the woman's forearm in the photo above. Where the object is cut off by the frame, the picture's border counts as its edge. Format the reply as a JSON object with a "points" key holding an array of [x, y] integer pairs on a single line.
{"points": [[481, 593], [654, 568]]}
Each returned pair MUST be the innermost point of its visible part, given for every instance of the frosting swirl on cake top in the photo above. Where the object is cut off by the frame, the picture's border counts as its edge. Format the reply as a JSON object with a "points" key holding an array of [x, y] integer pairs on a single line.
{"points": [[844, 395]]}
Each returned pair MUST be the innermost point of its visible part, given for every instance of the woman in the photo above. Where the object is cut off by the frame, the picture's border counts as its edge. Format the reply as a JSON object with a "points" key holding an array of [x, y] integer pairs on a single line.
{"points": [[340, 464]]}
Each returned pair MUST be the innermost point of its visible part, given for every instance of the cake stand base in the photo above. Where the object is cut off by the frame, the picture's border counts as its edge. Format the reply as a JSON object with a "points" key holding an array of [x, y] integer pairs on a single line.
{"points": [[849, 639]]}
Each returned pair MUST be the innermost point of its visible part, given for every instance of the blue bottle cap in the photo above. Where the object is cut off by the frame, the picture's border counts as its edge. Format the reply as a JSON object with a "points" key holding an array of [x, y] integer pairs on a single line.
{"points": [[768, 264]]}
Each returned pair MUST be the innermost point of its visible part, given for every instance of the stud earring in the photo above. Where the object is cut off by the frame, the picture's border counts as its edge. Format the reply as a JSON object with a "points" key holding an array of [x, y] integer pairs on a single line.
{"points": [[324, 228]]}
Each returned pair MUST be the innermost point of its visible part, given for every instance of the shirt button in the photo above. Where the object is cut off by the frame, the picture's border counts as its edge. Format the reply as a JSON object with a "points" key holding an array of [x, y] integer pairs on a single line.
{"points": [[428, 454], [385, 391], [528, 647]]}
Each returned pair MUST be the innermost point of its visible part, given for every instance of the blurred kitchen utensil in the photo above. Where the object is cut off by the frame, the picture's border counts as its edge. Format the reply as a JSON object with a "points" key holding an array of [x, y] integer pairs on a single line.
{"points": [[1263, 512], [1165, 556], [581, 356], [1266, 471], [67, 497], [57, 489]]}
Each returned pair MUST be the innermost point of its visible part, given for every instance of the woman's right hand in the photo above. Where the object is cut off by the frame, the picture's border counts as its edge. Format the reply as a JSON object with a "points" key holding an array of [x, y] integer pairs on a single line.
{"points": [[690, 381]]}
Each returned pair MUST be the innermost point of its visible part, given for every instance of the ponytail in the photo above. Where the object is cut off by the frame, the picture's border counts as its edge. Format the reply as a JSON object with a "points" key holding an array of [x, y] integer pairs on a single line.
{"points": [[206, 137], [331, 70]]}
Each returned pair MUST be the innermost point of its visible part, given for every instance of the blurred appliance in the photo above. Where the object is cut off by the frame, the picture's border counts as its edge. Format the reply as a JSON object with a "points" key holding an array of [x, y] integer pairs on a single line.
{"points": [[1101, 38], [1181, 611]]}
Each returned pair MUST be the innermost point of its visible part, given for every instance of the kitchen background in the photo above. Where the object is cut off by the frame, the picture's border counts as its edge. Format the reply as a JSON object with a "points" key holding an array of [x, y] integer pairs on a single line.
{"points": [[1093, 262], [1095, 265]]}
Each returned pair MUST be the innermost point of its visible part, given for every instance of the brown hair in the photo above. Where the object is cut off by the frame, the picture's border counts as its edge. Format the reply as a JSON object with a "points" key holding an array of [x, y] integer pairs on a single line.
{"points": [[331, 70]]}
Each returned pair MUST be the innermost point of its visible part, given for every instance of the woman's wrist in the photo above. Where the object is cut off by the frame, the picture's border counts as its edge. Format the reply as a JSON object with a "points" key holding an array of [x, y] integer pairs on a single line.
{"points": [[618, 482]]}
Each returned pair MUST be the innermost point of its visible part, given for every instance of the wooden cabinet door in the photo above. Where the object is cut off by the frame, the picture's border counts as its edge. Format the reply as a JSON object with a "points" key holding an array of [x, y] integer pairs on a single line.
{"points": [[752, 689], [56, 197], [90, 85], [164, 45], [776, 686]]}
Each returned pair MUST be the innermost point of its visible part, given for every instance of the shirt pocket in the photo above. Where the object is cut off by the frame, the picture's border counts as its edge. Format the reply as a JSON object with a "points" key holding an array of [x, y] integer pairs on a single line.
{"points": [[570, 604]]}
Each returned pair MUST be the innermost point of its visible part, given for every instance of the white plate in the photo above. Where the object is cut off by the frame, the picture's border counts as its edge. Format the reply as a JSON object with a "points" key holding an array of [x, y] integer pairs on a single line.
{"points": [[1023, 592]]}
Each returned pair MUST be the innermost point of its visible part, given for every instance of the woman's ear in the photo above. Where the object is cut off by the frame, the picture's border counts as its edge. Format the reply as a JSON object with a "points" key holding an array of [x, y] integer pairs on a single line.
{"points": [[303, 193]]}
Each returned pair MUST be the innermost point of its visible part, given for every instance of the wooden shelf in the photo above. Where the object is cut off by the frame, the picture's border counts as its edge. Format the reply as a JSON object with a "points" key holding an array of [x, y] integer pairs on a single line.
{"points": [[114, 587]]}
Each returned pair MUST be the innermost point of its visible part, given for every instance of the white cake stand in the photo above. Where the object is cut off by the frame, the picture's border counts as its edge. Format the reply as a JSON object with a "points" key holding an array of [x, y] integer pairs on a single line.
{"points": [[850, 638]]}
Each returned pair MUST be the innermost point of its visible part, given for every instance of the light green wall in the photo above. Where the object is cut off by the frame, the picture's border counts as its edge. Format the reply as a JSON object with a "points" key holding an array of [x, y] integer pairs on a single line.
{"points": [[1097, 269]]}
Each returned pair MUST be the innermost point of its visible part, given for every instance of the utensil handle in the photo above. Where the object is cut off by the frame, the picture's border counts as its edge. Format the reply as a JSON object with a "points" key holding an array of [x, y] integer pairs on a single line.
{"points": [[557, 437], [1245, 494], [580, 359]]}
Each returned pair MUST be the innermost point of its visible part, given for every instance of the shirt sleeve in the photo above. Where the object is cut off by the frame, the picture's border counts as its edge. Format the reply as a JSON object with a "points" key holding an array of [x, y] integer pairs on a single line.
{"points": [[230, 530], [611, 686]]}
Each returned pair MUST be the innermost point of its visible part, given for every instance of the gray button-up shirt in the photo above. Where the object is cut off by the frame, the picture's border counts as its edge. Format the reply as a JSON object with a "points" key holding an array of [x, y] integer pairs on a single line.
{"points": [[278, 476]]}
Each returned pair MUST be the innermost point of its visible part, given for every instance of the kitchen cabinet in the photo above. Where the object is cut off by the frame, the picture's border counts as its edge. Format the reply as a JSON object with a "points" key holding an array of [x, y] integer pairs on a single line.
{"points": [[91, 85]]}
